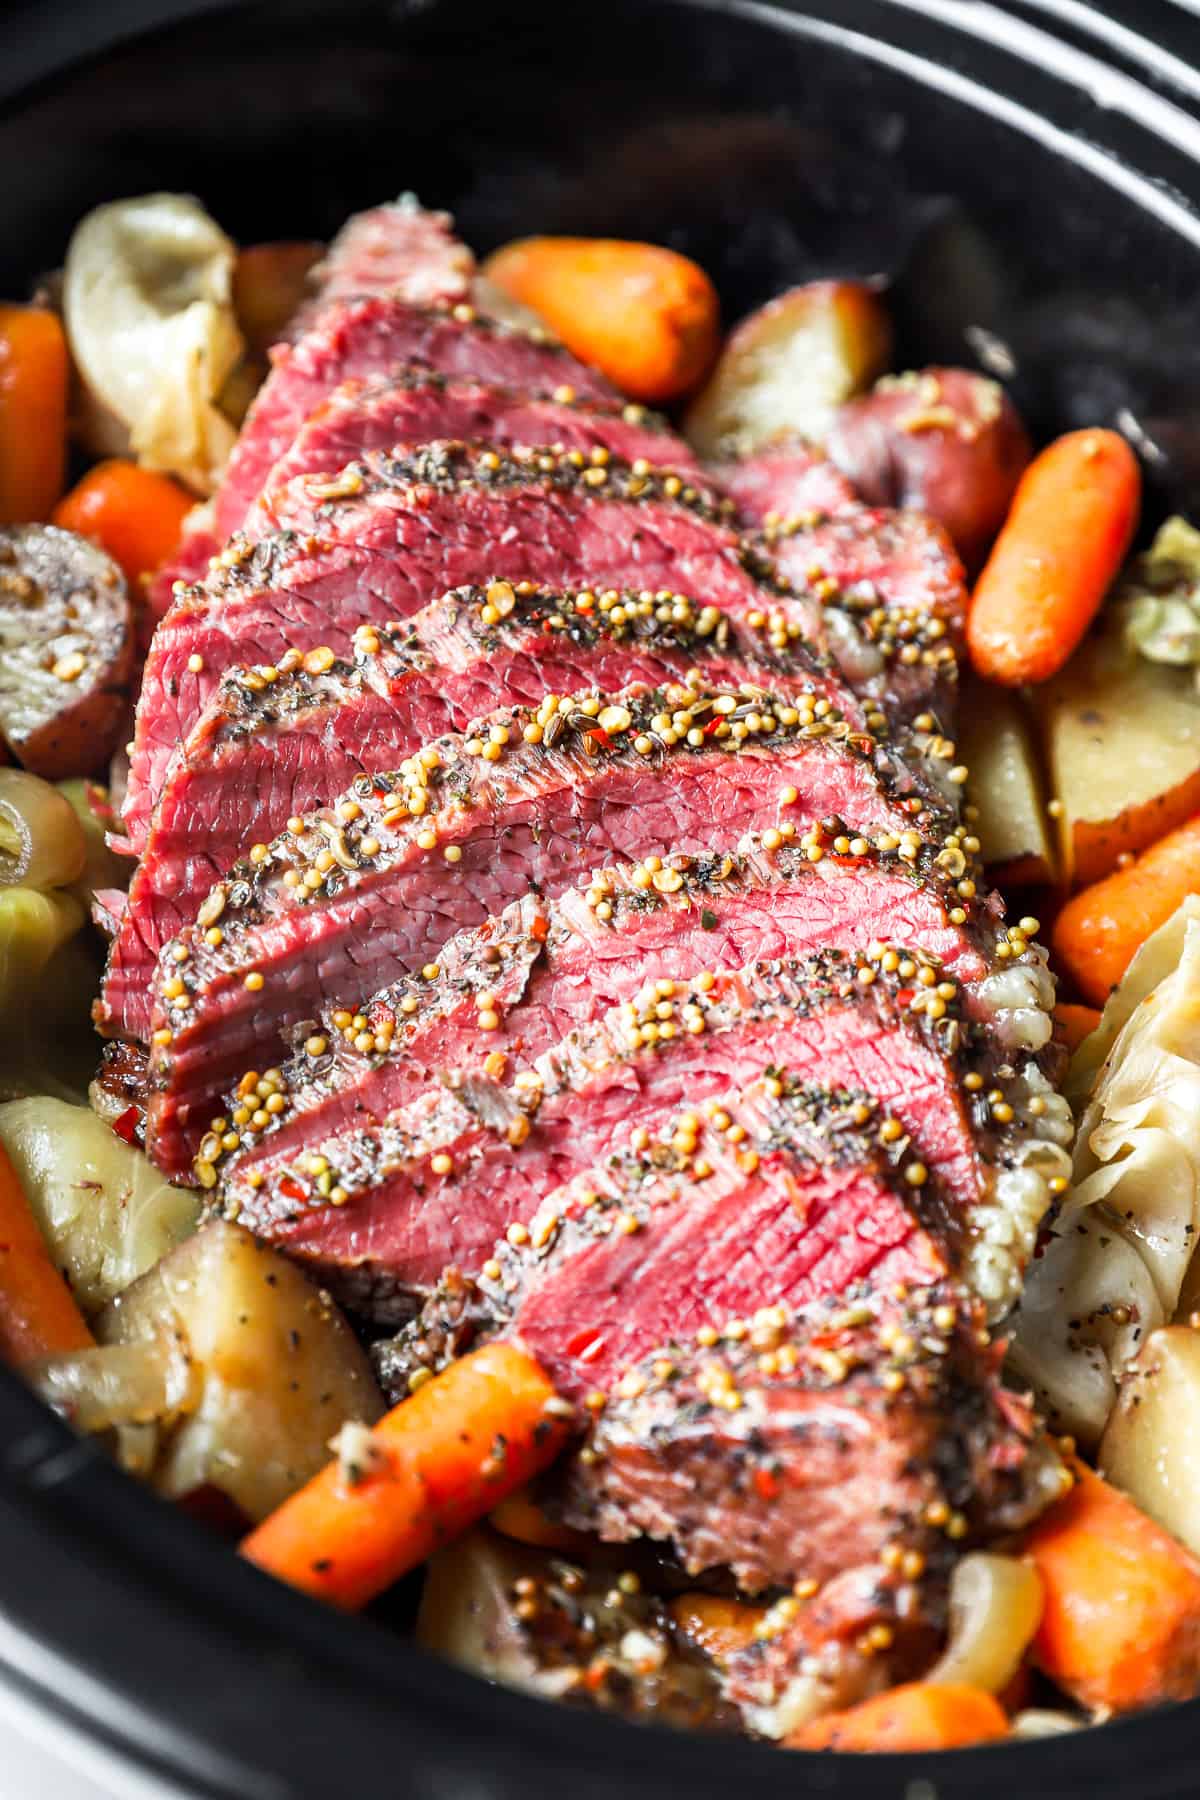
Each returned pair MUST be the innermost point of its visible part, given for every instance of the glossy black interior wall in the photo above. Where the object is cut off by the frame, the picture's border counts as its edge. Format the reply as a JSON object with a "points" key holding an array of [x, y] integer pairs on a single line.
{"points": [[768, 155]]}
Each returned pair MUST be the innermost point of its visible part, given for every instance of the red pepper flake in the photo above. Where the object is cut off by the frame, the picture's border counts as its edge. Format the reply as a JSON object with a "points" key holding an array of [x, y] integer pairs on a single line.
{"points": [[539, 931], [766, 1484], [905, 996], [291, 1188], [128, 1126]]}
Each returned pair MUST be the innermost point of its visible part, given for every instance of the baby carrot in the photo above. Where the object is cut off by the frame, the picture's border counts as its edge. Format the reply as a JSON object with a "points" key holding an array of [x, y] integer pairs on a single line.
{"points": [[443, 1457], [715, 1625], [1065, 538], [522, 1519], [1121, 1624], [920, 1716], [1098, 931], [647, 317], [38, 1314], [134, 514], [1073, 1023], [34, 368]]}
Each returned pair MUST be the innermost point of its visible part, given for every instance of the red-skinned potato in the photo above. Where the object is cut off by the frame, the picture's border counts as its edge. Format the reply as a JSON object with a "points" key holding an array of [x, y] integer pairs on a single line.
{"points": [[946, 442], [787, 368]]}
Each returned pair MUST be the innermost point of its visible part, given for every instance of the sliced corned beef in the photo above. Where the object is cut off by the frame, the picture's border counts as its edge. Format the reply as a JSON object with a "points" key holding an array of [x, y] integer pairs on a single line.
{"points": [[547, 968], [382, 1210], [358, 337], [393, 534], [895, 596], [374, 885], [778, 1194], [785, 481], [865, 1429], [398, 251], [417, 406], [271, 745]]}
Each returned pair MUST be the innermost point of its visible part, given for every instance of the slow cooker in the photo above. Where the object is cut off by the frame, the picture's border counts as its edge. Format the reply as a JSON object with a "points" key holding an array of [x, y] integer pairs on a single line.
{"points": [[1027, 176]]}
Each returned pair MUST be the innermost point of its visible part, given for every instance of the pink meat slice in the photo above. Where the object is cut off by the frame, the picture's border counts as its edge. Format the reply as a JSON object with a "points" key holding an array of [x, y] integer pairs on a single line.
{"points": [[784, 481], [355, 338], [398, 251], [549, 968], [393, 533], [374, 885], [417, 406], [384, 1209], [264, 751]]}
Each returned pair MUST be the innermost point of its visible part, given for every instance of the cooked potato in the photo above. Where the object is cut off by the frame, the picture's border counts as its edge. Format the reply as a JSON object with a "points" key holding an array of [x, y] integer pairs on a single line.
{"points": [[947, 442], [996, 744], [787, 368], [1151, 1447], [1122, 743], [66, 650], [222, 1367], [466, 1608], [280, 1371], [106, 1212]]}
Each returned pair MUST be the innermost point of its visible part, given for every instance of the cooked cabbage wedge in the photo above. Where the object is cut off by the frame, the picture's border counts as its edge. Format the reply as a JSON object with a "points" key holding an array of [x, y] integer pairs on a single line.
{"points": [[1151, 1447], [102, 867], [48, 975], [1158, 601], [148, 307], [106, 1212], [244, 1367], [1117, 1262]]}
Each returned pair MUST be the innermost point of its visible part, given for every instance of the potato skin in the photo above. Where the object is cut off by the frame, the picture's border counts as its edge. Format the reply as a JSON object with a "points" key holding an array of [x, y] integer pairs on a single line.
{"points": [[943, 441], [66, 651]]}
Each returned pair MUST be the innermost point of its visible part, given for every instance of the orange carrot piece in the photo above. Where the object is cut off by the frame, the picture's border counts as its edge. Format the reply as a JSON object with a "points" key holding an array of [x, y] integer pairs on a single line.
{"points": [[522, 1519], [648, 317], [921, 1716], [1098, 931], [34, 372], [38, 1314], [1121, 1624], [1071, 522], [134, 514], [716, 1626], [445, 1456], [1074, 1023]]}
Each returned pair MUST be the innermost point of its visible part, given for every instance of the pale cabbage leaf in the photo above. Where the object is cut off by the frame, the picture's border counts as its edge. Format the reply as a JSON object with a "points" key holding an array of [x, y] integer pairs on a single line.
{"points": [[1121, 1247]]}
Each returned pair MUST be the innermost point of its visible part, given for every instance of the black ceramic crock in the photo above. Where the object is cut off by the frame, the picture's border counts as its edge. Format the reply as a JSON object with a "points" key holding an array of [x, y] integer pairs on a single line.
{"points": [[1028, 176]]}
